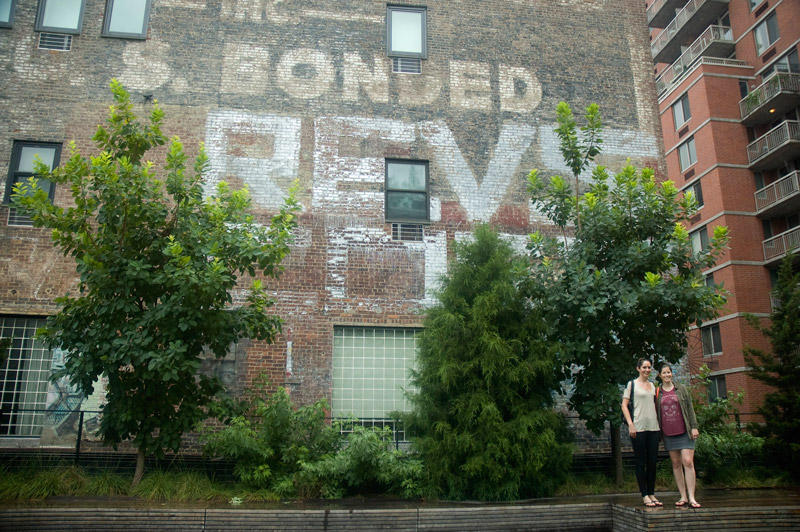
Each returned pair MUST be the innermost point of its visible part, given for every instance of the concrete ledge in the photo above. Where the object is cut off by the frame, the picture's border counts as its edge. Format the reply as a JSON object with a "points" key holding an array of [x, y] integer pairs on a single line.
{"points": [[727, 512]]}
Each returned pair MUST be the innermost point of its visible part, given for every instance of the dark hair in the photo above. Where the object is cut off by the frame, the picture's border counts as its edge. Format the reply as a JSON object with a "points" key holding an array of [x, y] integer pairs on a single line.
{"points": [[661, 368], [642, 361]]}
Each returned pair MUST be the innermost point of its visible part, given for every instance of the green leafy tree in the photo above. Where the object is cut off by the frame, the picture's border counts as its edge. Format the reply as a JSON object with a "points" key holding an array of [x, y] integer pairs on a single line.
{"points": [[482, 417], [157, 264], [780, 369], [627, 285]]}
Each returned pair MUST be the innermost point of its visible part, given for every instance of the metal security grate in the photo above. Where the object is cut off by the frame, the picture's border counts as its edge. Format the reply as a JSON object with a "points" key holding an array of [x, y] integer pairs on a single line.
{"points": [[15, 218], [407, 232], [55, 41], [406, 65], [23, 378]]}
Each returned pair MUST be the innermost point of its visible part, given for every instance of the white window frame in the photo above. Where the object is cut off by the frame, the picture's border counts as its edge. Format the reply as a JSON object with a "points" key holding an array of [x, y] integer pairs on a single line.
{"points": [[697, 190], [711, 339], [681, 111], [390, 11], [763, 33], [9, 21], [699, 239], [687, 154], [42, 12], [108, 19]]}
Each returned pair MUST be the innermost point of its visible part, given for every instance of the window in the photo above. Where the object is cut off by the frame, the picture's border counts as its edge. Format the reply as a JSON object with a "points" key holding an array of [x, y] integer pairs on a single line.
{"points": [[699, 240], [681, 111], [709, 281], [687, 154], [787, 63], [766, 226], [406, 33], [407, 191], [23, 378], [754, 3], [126, 18], [697, 190], [766, 33], [21, 168], [7, 13], [60, 16], [712, 340], [370, 370], [717, 389]]}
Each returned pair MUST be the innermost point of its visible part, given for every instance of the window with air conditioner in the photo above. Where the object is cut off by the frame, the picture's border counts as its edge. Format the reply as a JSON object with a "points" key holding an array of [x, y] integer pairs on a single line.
{"points": [[59, 16], [21, 167]]}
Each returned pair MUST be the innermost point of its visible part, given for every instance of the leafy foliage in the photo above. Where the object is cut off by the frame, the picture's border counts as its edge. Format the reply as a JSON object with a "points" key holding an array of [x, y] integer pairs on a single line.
{"points": [[157, 265], [285, 451], [482, 419], [628, 285], [781, 370]]}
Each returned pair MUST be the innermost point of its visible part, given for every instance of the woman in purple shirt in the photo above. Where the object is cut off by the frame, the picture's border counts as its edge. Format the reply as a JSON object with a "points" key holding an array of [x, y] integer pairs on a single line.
{"points": [[679, 430]]}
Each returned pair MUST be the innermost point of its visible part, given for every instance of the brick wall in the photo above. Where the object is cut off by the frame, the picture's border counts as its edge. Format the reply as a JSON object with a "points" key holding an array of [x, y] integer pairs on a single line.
{"points": [[284, 91]]}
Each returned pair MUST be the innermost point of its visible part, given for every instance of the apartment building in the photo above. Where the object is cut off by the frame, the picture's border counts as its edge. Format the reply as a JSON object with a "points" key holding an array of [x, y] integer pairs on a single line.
{"points": [[405, 122], [728, 82]]}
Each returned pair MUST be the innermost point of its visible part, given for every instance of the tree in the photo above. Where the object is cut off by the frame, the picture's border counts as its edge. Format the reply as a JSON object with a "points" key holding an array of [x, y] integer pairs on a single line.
{"points": [[628, 284], [482, 417], [157, 264], [780, 369]]}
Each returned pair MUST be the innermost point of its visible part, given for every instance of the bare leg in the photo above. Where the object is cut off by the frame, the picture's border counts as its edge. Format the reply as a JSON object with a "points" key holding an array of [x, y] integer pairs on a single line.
{"points": [[687, 460], [677, 471]]}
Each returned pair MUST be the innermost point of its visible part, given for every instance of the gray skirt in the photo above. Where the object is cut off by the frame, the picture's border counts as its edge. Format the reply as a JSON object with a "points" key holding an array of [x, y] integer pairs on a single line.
{"points": [[676, 443]]}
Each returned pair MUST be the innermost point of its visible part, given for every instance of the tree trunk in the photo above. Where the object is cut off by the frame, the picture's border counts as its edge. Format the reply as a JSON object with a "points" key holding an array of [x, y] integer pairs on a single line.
{"points": [[137, 476], [616, 454]]}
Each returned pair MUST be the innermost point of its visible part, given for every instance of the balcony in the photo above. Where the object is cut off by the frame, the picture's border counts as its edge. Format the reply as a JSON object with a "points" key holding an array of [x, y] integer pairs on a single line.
{"points": [[776, 247], [779, 93], [716, 41], [779, 144], [690, 21], [661, 12], [779, 198]]}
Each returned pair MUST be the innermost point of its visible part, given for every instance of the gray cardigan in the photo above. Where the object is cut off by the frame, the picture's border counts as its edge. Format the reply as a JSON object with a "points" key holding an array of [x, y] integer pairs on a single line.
{"points": [[687, 408]]}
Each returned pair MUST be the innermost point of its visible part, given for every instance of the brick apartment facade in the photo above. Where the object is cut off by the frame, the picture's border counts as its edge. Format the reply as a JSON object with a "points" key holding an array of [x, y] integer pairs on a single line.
{"points": [[728, 83], [405, 123]]}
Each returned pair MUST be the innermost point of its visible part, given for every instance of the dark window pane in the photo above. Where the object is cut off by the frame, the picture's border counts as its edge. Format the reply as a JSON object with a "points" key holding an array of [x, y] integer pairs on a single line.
{"points": [[406, 205]]}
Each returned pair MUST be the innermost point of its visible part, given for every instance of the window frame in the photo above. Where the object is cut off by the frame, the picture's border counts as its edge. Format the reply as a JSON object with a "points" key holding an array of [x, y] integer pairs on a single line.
{"points": [[40, 13], [124, 35], [682, 106], [713, 340], [390, 9], [702, 235], [691, 153], [765, 24], [14, 175], [715, 380], [10, 22], [697, 190], [387, 191], [754, 4]]}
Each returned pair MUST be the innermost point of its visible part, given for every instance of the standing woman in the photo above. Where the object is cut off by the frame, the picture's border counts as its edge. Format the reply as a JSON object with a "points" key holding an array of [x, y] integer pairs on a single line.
{"points": [[679, 426], [643, 429]]}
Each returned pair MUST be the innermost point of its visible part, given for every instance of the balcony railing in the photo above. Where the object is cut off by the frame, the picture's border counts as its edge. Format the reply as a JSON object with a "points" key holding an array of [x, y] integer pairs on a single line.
{"points": [[675, 70], [681, 19], [774, 139], [776, 84], [660, 12], [778, 191], [779, 245]]}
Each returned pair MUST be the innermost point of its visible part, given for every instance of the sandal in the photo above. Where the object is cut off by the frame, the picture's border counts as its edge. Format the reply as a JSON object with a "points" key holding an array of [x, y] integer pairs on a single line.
{"points": [[695, 504], [656, 501], [681, 503], [648, 502]]}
